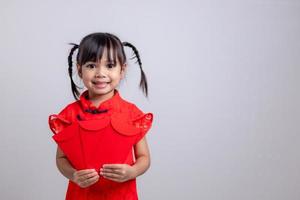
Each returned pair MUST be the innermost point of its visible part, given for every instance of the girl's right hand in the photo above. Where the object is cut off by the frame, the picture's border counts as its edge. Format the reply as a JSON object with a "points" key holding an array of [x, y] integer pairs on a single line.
{"points": [[85, 178]]}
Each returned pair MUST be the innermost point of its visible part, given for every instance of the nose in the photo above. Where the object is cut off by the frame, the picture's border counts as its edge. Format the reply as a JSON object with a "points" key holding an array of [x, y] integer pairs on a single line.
{"points": [[100, 72]]}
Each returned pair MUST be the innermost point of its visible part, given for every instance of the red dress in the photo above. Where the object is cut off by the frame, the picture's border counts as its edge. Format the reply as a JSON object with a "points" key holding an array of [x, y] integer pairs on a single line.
{"points": [[91, 137]]}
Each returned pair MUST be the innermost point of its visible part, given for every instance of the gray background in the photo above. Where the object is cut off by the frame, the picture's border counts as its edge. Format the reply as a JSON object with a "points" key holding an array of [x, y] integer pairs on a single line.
{"points": [[224, 88]]}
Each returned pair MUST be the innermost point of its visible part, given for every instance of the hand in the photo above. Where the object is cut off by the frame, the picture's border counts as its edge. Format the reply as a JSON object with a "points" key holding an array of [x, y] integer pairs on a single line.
{"points": [[117, 172], [85, 178]]}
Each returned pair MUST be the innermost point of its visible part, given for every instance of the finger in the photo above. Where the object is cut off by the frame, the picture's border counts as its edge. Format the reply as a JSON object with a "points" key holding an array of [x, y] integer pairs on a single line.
{"points": [[111, 175], [112, 166], [114, 171], [92, 183], [87, 176], [92, 180], [109, 170], [85, 171], [89, 181]]}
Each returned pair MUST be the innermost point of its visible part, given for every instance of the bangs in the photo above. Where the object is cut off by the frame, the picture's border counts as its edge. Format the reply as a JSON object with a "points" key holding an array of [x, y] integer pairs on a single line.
{"points": [[94, 46]]}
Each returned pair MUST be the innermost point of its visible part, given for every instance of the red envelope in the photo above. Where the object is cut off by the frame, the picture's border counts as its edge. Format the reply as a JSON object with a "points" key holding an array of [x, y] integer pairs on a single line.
{"points": [[90, 143], [106, 140]]}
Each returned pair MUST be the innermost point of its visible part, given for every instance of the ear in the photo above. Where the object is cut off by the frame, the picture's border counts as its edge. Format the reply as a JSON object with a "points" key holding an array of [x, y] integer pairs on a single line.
{"points": [[79, 70], [123, 70]]}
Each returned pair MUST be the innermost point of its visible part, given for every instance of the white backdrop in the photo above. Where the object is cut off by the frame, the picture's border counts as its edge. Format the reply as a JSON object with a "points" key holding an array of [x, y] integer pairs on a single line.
{"points": [[223, 83]]}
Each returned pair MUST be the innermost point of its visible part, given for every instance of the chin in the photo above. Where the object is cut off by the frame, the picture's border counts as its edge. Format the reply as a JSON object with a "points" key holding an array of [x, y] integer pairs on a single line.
{"points": [[102, 91]]}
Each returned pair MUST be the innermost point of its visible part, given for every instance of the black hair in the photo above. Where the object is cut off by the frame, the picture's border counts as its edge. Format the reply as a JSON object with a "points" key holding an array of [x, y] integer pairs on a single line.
{"points": [[91, 48]]}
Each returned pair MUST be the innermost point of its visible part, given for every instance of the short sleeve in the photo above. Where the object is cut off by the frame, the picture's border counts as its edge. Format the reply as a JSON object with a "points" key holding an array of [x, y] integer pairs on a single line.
{"points": [[142, 121], [57, 122]]}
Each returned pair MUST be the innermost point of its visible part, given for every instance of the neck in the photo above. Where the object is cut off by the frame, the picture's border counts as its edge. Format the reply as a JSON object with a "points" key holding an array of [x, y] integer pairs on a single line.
{"points": [[98, 99]]}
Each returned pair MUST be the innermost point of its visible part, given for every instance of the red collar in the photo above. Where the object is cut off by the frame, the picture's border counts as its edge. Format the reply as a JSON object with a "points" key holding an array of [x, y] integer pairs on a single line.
{"points": [[107, 105]]}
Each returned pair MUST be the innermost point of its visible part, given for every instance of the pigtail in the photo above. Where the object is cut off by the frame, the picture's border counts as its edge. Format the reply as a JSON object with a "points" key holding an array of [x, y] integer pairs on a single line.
{"points": [[143, 81], [73, 85]]}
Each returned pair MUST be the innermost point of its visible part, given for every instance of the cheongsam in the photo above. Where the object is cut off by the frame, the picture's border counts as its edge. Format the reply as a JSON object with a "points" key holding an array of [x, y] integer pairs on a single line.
{"points": [[92, 136]]}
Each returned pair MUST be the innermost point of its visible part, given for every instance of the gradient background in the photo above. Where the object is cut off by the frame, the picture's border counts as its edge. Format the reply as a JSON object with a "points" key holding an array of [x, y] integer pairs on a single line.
{"points": [[224, 88]]}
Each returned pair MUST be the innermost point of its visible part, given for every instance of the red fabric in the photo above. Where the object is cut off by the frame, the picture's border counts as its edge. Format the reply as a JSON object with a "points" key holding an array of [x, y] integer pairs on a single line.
{"points": [[91, 140]]}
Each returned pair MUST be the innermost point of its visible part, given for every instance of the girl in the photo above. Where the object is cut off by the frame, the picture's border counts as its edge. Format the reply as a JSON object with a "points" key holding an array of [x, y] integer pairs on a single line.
{"points": [[101, 140]]}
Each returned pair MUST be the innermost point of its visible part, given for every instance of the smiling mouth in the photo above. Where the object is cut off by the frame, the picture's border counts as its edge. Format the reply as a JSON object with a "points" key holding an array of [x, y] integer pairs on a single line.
{"points": [[100, 84]]}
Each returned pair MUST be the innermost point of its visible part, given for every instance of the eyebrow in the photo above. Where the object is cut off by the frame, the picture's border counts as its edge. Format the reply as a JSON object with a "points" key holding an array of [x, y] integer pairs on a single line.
{"points": [[107, 61], [90, 62]]}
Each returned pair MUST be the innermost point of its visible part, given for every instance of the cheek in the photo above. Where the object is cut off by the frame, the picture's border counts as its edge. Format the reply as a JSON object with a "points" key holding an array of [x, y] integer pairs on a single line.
{"points": [[116, 75], [86, 76]]}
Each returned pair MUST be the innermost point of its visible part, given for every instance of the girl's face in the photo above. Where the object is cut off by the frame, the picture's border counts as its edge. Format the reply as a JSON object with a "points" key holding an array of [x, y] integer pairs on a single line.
{"points": [[101, 77]]}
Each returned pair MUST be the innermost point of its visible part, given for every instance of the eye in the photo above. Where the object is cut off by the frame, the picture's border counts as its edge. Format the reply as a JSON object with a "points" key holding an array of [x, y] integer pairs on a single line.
{"points": [[110, 65], [90, 66]]}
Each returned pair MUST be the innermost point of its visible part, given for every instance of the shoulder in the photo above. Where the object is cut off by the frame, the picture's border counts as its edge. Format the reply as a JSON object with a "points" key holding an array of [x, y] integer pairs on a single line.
{"points": [[135, 113], [71, 110], [66, 116], [131, 120], [132, 109]]}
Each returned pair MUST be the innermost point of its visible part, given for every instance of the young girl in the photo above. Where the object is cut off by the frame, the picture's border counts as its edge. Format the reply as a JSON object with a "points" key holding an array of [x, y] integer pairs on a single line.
{"points": [[101, 140]]}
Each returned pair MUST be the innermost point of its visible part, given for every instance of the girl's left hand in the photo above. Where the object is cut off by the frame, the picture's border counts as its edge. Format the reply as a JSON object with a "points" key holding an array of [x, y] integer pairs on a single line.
{"points": [[117, 172]]}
